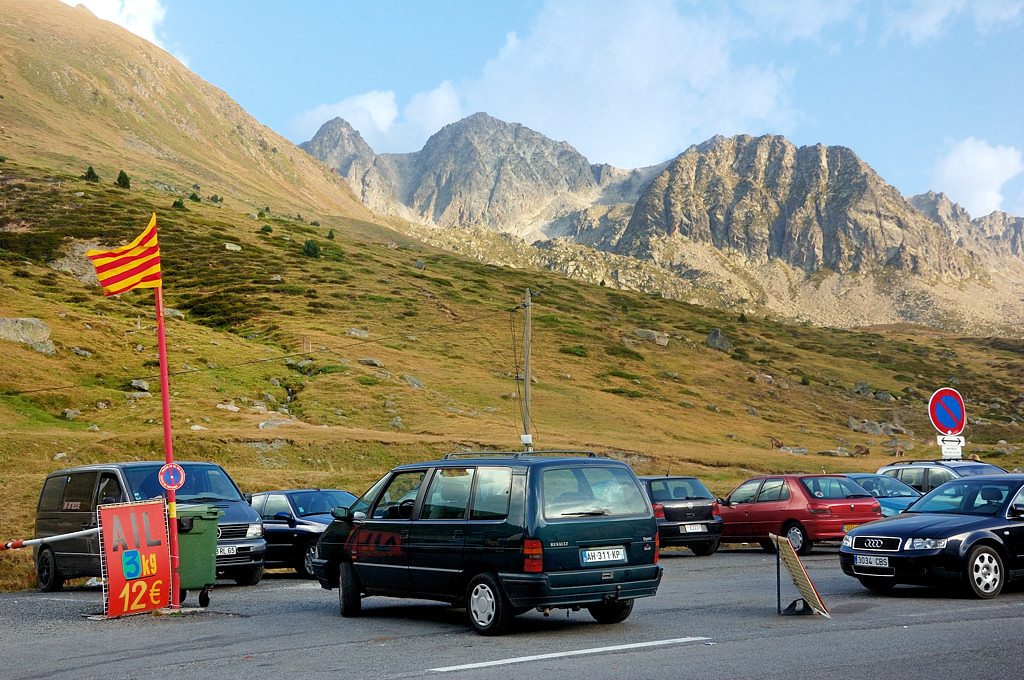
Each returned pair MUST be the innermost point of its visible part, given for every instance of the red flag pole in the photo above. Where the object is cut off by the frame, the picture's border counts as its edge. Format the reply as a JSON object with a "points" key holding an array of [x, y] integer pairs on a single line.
{"points": [[165, 393]]}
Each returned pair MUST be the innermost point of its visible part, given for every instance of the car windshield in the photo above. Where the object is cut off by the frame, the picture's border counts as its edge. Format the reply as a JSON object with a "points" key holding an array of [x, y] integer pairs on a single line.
{"points": [[974, 496], [884, 486], [833, 488], [204, 483], [320, 501]]}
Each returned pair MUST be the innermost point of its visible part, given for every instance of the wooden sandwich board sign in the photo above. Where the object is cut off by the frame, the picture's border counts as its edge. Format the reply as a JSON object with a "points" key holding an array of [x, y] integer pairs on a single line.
{"points": [[811, 602]]}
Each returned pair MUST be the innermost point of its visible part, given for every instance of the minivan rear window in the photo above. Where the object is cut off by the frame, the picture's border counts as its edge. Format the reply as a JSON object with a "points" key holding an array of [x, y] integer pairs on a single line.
{"points": [[53, 489], [590, 491]]}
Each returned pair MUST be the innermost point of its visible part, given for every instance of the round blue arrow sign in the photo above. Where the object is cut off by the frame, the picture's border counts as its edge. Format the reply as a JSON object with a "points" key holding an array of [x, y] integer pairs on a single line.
{"points": [[946, 411]]}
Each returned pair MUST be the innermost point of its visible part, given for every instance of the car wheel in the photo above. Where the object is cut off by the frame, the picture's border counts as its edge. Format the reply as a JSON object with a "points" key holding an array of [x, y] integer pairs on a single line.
{"points": [[768, 546], [704, 549], [984, 572], [615, 611], [348, 591], [248, 577], [489, 611], [305, 565], [797, 536], [47, 572], [877, 585]]}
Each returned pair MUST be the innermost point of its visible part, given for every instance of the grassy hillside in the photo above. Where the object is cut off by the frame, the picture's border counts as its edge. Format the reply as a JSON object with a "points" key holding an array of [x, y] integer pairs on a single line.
{"points": [[253, 317]]}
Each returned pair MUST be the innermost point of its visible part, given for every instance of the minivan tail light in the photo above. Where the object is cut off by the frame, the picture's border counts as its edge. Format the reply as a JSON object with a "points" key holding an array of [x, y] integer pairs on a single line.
{"points": [[819, 509], [533, 555], [659, 511], [657, 547]]}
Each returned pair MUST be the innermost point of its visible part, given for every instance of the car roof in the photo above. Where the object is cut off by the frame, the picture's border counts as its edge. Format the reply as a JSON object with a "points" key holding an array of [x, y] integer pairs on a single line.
{"points": [[951, 464], [656, 477], [261, 493], [517, 459], [126, 465]]}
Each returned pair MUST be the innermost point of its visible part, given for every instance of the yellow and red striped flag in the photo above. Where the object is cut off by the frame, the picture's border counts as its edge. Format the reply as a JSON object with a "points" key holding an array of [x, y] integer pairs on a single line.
{"points": [[136, 265]]}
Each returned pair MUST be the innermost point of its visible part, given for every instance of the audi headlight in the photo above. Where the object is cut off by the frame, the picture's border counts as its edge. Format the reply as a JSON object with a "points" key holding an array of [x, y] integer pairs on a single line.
{"points": [[254, 531], [926, 544], [847, 541]]}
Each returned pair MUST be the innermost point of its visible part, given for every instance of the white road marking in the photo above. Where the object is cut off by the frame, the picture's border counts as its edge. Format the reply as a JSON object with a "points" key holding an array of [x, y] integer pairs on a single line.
{"points": [[577, 652]]}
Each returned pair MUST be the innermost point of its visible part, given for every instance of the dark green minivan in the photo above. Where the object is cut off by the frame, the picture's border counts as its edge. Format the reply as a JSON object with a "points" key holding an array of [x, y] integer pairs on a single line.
{"points": [[499, 533]]}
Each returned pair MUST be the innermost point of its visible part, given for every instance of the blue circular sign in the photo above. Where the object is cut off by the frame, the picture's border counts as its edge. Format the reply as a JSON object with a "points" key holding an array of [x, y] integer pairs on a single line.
{"points": [[946, 411], [172, 476]]}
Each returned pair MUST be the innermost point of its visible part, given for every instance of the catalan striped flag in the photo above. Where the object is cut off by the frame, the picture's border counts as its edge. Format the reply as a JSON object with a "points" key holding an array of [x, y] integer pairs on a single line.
{"points": [[136, 265]]}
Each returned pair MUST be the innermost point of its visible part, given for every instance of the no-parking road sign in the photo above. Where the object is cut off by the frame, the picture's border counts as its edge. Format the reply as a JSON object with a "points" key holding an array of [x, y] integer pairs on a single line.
{"points": [[172, 476], [946, 411]]}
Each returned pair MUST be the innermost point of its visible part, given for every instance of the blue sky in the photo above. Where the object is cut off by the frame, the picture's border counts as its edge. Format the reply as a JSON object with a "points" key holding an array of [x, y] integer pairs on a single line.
{"points": [[930, 93]]}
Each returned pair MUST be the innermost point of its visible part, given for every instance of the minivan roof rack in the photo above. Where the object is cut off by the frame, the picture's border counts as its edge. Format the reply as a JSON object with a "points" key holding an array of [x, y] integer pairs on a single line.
{"points": [[519, 454]]}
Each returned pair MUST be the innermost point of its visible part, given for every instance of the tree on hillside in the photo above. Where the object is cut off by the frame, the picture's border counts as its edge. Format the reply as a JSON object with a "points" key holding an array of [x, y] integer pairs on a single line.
{"points": [[90, 175], [311, 249], [123, 180]]}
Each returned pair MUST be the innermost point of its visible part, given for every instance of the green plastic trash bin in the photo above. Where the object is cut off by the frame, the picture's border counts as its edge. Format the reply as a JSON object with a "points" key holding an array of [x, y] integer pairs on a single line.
{"points": [[197, 550]]}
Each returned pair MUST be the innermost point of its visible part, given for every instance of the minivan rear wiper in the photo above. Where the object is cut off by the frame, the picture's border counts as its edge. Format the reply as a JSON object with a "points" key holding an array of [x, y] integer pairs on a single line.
{"points": [[583, 513]]}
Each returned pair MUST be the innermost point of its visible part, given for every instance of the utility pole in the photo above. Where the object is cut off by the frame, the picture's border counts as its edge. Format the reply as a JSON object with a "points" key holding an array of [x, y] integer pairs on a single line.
{"points": [[527, 438]]}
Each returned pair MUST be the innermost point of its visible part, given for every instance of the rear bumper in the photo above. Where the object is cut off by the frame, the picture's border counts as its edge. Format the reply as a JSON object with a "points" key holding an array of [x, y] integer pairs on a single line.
{"points": [[675, 533], [566, 589]]}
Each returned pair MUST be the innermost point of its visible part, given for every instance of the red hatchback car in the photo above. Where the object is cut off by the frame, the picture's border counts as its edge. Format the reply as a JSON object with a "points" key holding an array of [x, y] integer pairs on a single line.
{"points": [[803, 508]]}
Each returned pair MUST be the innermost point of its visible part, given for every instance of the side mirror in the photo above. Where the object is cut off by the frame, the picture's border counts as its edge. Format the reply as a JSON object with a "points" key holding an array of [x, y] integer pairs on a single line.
{"points": [[340, 513], [285, 517], [722, 501], [247, 497], [1016, 511]]}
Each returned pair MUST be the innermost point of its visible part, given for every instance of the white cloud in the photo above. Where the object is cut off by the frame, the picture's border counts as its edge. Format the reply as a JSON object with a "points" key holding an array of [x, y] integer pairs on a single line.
{"points": [[141, 17], [924, 20], [973, 173], [628, 84], [373, 114]]}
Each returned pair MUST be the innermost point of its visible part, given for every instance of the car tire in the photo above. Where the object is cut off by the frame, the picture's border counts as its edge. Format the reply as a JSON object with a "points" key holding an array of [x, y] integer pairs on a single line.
{"points": [[767, 545], [615, 611], [983, 572], [877, 585], [704, 549], [797, 536], [349, 600], [489, 611], [304, 566], [47, 572], [249, 576]]}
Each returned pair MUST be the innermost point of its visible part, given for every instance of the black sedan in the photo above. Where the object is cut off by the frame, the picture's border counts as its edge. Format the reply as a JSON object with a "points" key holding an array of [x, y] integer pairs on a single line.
{"points": [[293, 521], [687, 513], [967, 532]]}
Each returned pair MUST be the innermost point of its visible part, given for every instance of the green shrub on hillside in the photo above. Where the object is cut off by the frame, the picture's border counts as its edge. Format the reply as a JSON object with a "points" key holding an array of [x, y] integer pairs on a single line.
{"points": [[624, 352], [178, 204], [311, 249], [266, 228], [575, 350], [123, 180], [90, 175], [194, 197]]}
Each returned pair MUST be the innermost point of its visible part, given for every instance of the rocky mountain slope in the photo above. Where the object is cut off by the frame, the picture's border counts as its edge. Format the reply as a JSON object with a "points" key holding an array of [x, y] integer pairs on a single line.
{"points": [[756, 223]]}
